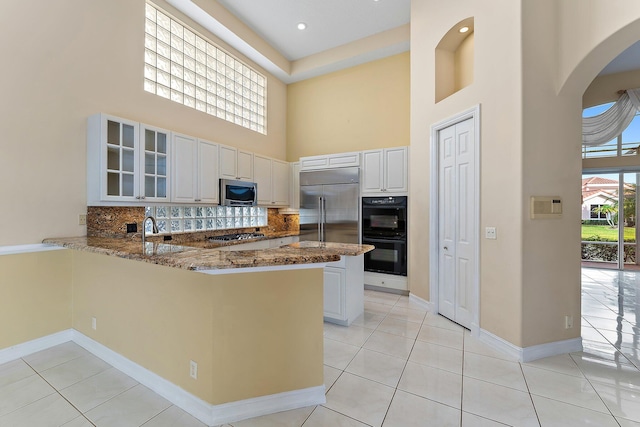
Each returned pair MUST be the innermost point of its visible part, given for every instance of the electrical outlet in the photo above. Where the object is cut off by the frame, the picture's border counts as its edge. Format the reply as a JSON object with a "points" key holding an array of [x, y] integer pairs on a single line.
{"points": [[193, 369], [490, 233], [94, 323], [568, 322], [82, 219]]}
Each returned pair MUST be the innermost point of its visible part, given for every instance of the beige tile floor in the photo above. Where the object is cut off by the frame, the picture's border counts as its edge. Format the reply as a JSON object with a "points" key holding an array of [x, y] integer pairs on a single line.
{"points": [[395, 366]]}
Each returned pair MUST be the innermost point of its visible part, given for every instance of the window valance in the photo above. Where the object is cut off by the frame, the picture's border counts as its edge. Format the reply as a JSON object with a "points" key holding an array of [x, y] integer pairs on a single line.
{"points": [[600, 129]]}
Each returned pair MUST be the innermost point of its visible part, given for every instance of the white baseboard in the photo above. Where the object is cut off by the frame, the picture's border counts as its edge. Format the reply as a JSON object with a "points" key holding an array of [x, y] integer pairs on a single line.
{"points": [[204, 411], [551, 349], [427, 305], [263, 405], [527, 354], [17, 351], [176, 395]]}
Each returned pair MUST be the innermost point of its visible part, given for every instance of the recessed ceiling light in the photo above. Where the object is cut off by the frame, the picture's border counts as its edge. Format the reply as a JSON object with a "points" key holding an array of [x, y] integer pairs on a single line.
{"points": [[302, 26], [464, 29]]}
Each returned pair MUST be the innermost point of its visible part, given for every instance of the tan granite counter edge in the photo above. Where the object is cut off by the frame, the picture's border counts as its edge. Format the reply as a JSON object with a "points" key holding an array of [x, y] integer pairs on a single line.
{"points": [[191, 258]]}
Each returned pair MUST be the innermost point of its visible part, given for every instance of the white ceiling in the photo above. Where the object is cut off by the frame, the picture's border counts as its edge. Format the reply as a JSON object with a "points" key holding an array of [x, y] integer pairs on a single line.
{"points": [[628, 60], [330, 23]]}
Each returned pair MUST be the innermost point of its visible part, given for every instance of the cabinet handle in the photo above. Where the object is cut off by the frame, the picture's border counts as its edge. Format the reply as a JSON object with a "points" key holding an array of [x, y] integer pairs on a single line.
{"points": [[138, 197], [197, 200]]}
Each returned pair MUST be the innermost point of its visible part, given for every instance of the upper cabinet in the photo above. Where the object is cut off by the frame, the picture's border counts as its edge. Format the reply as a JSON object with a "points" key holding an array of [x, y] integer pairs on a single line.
{"points": [[272, 177], [236, 164], [194, 176], [155, 156], [126, 161], [294, 188], [280, 183], [384, 171], [329, 161]]}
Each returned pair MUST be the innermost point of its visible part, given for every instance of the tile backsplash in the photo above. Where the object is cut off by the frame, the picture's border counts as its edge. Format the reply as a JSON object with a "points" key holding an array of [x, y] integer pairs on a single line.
{"points": [[111, 221]]}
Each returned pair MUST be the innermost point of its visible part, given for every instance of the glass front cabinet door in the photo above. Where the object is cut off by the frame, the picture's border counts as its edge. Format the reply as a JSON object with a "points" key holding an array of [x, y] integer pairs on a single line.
{"points": [[126, 161], [155, 165]]}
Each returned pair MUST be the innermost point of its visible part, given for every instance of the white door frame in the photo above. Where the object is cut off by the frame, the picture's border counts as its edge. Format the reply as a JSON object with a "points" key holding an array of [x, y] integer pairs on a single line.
{"points": [[434, 245]]}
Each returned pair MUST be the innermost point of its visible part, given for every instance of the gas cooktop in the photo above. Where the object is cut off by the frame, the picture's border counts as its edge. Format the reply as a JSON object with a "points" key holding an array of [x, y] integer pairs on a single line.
{"points": [[236, 236]]}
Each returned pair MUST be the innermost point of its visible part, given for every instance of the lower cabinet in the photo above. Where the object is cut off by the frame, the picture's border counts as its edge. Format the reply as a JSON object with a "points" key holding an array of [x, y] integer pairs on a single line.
{"points": [[344, 290]]}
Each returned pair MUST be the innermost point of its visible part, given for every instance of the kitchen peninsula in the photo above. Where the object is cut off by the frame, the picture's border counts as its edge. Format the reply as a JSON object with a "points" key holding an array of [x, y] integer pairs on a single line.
{"points": [[256, 335]]}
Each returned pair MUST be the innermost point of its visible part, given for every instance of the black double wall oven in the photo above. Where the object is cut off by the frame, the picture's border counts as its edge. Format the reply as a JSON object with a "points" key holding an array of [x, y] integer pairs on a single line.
{"points": [[384, 225]]}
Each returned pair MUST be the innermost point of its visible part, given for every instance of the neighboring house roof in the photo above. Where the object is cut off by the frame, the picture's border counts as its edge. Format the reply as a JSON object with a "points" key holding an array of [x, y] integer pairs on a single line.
{"points": [[586, 195], [598, 181], [598, 186]]}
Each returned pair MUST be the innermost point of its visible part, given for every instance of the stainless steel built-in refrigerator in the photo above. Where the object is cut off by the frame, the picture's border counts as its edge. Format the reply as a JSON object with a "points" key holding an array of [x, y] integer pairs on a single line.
{"points": [[330, 205]]}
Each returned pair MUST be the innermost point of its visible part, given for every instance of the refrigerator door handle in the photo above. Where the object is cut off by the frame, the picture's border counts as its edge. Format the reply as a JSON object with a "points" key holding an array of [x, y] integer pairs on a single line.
{"points": [[320, 218]]}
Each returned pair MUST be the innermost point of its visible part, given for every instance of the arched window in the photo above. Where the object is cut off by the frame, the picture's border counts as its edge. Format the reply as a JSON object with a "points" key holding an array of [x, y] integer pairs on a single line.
{"points": [[626, 143]]}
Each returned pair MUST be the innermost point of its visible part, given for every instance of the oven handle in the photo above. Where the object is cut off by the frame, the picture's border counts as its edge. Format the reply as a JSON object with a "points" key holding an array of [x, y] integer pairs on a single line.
{"points": [[368, 239]]}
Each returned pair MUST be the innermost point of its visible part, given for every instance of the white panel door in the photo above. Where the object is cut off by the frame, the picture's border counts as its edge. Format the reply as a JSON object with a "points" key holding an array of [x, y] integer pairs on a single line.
{"points": [[447, 220], [457, 233]]}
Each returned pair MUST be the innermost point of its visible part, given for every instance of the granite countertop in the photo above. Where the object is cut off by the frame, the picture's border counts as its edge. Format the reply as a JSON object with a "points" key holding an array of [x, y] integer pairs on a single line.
{"points": [[201, 259]]}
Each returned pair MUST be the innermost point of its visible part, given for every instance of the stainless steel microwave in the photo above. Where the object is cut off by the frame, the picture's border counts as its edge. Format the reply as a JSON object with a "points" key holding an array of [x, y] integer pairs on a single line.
{"points": [[238, 193]]}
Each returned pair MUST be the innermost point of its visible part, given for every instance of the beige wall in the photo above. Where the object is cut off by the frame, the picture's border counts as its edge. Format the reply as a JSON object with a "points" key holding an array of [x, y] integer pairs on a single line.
{"points": [[251, 334], [363, 107], [464, 62], [69, 60], [551, 167], [530, 145], [497, 89], [584, 43], [35, 296]]}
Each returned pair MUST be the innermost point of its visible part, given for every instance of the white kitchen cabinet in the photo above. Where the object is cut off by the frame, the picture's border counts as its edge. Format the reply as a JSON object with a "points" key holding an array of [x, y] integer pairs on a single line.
{"points": [[382, 282], [294, 186], [194, 170], [236, 164], [272, 177], [126, 162], [329, 161], [334, 293], [344, 290], [261, 244], [385, 171], [294, 190], [281, 241], [280, 183], [249, 246], [262, 177]]}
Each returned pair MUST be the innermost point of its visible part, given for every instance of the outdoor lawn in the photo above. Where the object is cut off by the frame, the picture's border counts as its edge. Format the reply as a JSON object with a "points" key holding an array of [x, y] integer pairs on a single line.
{"points": [[606, 233]]}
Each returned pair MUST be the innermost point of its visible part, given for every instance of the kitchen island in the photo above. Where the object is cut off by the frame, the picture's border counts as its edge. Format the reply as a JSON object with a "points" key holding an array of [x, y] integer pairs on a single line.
{"points": [[205, 256], [256, 335]]}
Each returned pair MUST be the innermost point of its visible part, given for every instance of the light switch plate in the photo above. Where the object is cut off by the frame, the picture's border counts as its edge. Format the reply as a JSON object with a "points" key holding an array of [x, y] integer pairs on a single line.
{"points": [[490, 233]]}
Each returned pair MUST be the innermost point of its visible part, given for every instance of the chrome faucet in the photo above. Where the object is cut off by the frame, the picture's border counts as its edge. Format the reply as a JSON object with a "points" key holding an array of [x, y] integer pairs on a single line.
{"points": [[154, 230]]}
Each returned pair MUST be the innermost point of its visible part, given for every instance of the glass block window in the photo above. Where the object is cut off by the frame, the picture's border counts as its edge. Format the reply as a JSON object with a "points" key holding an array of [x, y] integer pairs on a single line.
{"points": [[184, 219], [183, 66]]}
